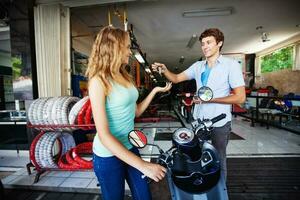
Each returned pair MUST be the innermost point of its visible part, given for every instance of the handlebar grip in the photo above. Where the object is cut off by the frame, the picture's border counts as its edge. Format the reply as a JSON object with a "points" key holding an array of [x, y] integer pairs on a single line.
{"points": [[163, 160], [218, 118], [160, 163]]}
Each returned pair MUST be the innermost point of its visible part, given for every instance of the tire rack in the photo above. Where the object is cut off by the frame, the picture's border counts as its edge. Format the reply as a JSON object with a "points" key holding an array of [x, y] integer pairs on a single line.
{"points": [[42, 130]]}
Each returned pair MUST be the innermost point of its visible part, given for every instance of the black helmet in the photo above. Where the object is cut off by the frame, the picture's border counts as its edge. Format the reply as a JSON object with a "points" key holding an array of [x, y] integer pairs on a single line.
{"points": [[196, 176]]}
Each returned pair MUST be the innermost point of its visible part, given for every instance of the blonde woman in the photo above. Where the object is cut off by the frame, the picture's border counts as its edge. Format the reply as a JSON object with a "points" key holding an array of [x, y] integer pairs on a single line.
{"points": [[113, 98]]}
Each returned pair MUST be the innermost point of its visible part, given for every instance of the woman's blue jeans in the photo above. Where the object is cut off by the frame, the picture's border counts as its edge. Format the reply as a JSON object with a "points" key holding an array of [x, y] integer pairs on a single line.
{"points": [[112, 173]]}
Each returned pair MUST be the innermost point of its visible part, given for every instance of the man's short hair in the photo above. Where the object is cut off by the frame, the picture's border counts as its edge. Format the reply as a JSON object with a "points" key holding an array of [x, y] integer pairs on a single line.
{"points": [[216, 33]]}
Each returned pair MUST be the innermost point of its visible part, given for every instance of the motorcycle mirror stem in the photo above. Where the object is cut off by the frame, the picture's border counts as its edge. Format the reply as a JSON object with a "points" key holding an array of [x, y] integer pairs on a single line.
{"points": [[159, 149], [138, 139]]}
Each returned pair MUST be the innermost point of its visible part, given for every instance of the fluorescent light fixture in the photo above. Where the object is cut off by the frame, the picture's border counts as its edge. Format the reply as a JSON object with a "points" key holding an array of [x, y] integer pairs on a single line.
{"points": [[208, 12], [139, 57], [77, 3]]}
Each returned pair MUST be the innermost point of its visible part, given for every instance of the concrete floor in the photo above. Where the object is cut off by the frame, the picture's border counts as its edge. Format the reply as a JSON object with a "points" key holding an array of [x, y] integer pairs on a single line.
{"points": [[256, 142]]}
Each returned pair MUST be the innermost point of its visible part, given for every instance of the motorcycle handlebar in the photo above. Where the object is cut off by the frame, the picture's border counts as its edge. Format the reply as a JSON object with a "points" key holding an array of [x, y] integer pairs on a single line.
{"points": [[164, 160], [218, 118]]}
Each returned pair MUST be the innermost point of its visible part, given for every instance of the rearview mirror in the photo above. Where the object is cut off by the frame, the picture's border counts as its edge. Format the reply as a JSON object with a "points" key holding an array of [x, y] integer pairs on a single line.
{"points": [[205, 93], [137, 138]]}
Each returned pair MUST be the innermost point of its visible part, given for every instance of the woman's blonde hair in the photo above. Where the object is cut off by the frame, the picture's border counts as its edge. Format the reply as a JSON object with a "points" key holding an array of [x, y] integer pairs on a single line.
{"points": [[105, 61]]}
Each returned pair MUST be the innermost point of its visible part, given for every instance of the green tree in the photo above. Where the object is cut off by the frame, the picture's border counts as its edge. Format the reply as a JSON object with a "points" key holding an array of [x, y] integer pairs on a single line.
{"points": [[277, 60], [16, 67]]}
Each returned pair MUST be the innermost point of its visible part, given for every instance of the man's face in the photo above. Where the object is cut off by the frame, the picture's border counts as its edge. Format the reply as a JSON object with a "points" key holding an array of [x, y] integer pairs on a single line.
{"points": [[209, 46]]}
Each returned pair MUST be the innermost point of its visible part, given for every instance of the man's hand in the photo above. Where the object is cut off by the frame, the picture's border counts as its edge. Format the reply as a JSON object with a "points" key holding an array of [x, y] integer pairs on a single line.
{"points": [[159, 67], [197, 100]]}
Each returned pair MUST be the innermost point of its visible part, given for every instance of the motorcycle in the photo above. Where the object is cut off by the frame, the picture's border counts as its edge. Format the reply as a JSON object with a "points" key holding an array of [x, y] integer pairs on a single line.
{"points": [[193, 164]]}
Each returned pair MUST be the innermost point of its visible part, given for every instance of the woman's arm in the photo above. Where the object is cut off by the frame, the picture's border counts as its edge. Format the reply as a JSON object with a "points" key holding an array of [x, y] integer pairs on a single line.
{"points": [[141, 107], [97, 98]]}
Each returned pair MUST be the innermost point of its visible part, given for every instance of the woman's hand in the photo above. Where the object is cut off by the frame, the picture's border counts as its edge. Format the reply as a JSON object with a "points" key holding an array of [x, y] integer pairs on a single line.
{"points": [[141, 107], [153, 171], [164, 89]]}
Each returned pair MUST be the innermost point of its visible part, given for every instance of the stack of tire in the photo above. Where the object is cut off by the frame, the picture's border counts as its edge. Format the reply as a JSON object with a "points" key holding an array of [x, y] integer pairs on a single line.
{"points": [[81, 114], [68, 157], [65, 110], [41, 148], [61, 114]]}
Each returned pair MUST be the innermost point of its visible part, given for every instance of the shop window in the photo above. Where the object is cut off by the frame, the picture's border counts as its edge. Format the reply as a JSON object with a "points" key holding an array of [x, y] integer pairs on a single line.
{"points": [[277, 60], [79, 81], [17, 57]]}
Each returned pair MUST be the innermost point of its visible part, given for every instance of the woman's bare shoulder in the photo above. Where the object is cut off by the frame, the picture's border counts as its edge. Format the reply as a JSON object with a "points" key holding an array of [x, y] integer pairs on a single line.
{"points": [[95, 83]]}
